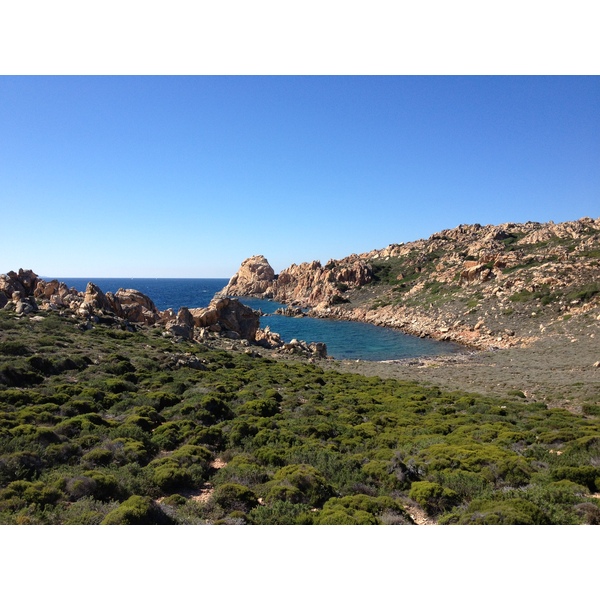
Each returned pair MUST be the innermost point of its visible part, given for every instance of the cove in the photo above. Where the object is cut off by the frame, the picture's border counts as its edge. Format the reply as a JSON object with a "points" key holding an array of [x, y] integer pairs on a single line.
{"points": [[349, 340], [346, 340]]}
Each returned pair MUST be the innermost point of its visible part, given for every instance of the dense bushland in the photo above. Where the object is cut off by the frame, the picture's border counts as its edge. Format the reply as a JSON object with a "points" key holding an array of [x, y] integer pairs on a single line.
{"points": [[107, 426]]}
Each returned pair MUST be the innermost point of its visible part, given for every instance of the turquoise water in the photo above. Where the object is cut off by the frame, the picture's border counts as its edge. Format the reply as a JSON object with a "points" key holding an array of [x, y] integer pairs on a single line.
{"points": [[349, 339], [344, 339]]}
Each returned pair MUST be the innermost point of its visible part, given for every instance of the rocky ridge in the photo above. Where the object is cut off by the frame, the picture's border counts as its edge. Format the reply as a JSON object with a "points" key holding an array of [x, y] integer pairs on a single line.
{"points": [[481, 286], [224, 318], [308, 284]]}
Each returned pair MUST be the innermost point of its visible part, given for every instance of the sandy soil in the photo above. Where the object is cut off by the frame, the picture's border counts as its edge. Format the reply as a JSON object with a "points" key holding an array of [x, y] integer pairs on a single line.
{"points": [[418, 515]]}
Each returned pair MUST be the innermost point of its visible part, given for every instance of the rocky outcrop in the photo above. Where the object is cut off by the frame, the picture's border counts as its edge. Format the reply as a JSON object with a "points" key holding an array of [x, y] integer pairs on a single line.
{"points": [[95, 299], [229, 317], [134, 306], [17, 286], [271, 340], [24, 293], [307, 284], [255, 277], [290, 311], [311, 284]]}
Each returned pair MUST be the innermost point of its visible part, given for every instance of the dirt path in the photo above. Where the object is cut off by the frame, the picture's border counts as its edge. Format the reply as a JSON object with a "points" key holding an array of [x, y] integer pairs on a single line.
{"points": [[204, 494], [419, 516]]}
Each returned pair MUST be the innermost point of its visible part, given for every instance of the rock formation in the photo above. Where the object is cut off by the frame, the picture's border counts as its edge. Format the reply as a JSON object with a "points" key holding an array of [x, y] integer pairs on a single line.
{"points": [[255, 277], [228, 316], [307, 284]]}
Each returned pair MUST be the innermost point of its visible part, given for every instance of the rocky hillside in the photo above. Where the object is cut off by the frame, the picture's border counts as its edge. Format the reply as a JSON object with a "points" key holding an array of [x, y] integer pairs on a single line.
{"points": [[482, 286]]}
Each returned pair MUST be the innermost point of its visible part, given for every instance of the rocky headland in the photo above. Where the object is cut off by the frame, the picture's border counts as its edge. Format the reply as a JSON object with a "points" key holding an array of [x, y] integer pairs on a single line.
{"points": [[493, 286]]}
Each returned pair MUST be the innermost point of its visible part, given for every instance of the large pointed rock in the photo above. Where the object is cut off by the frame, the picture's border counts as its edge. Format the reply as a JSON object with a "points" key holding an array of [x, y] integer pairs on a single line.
{"points": [[255, 277]]}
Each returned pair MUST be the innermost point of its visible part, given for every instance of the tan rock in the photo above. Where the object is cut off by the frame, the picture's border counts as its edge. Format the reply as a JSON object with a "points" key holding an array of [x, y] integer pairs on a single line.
{"points": [[95, 299], [255, 277]]}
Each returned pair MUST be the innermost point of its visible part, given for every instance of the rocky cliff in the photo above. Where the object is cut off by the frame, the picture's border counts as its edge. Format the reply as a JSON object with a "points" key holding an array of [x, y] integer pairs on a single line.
{"points": [[307, 284], [482, 286]]}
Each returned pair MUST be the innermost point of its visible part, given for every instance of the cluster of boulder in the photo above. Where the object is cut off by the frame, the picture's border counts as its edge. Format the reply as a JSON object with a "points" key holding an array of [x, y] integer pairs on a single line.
{"points": [[269, 339], [26, 293]]}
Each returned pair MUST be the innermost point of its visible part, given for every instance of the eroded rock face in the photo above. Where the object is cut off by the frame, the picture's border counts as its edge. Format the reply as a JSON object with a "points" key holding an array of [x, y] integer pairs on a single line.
{"points": [[135, 306], [255, 277], [227, 316], [95, 297], [311, 284], [25, 292], [440, 286], [17, 291], [24, 282], [308, 284], [224, 317]]}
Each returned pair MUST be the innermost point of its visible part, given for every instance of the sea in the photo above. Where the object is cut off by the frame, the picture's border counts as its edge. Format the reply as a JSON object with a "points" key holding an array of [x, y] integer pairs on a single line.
{"points": [[346, 340]]}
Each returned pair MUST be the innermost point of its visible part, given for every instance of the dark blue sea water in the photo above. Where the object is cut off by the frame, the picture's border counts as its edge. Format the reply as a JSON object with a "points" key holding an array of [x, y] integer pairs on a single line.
{"points": [[344, 339]]}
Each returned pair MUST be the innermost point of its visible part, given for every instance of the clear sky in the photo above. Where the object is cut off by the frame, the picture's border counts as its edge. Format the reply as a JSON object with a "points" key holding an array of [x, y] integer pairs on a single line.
{"points": [[187, 176]]}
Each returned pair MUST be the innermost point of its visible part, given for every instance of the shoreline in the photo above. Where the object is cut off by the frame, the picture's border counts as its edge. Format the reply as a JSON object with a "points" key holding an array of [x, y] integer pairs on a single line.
{"points": [[558, 368]]}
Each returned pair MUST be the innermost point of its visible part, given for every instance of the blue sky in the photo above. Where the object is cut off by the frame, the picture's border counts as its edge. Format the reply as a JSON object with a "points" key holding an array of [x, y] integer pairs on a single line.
{"points": [[187, 176]]}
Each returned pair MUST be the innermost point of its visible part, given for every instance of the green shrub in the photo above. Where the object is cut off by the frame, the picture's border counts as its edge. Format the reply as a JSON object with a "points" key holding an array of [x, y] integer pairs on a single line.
{"points": [[169, 476], [433, 497], [14, 349], [513, 511], [466, 484], [175, 500], [167, 436], [591, 409], [341, 515], [128, 450], [300, 484], [19, 376], [241, 431], [233, 497], [263, 407], [585, 475], [249, 474], [137, 510], [280, 513], [20, 465], [106, 485], [361, 509], [79, 486], [36, 493], [118, 386], [97, 457]]}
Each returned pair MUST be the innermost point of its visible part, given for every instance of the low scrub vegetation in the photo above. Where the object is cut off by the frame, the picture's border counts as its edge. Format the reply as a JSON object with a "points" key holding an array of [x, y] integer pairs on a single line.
{"points": [[103, 426]]}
